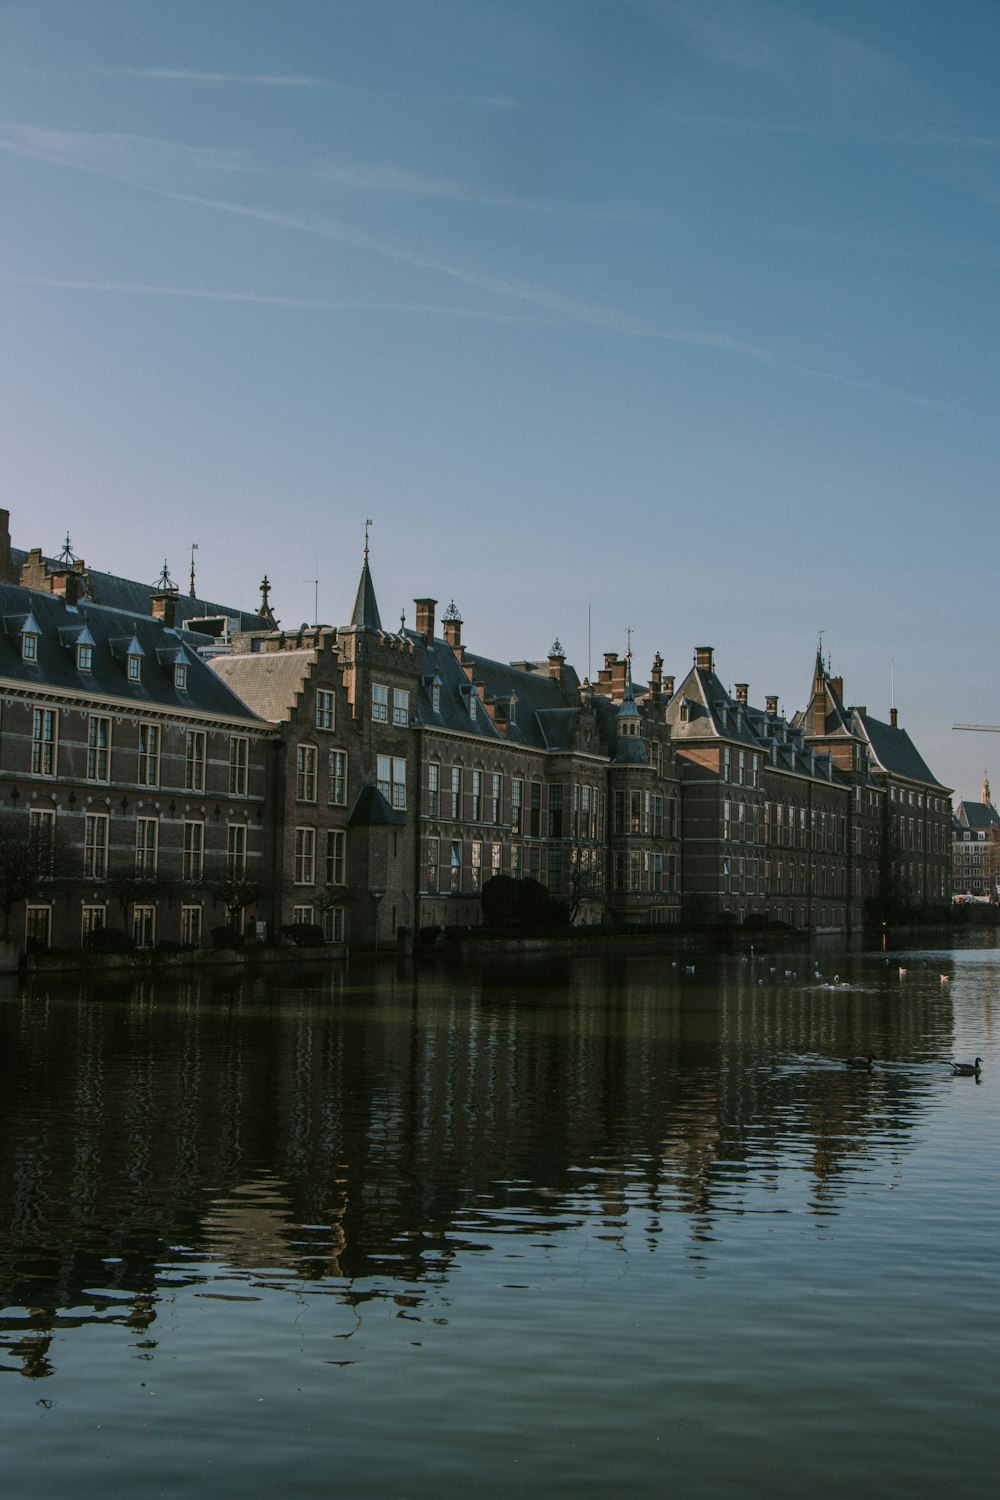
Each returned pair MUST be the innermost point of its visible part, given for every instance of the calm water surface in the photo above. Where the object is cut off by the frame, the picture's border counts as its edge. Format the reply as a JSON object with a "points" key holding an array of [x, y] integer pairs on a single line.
{"points": [[593, 1228]]}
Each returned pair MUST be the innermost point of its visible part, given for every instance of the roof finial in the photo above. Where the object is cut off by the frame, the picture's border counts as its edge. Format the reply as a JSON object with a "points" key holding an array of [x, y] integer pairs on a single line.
{"points": [[368, 522], [194, 548], [402, 622], [67, 555], [165, 581], [628, 637]]}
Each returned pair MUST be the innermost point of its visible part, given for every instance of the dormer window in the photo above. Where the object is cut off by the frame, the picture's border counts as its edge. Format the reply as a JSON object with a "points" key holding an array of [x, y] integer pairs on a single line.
{"points": [[473, 700], [134, 667], [85, 658], [436, 696], [180, 677], [29, 639]]}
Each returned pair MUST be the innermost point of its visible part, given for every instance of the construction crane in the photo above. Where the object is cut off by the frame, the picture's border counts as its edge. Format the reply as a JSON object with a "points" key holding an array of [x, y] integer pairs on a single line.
{"points": [[979, 728]]}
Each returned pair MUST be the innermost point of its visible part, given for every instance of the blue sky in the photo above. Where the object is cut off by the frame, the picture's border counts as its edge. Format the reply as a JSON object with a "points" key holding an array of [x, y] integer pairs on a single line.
{"points": [[679, 316]]}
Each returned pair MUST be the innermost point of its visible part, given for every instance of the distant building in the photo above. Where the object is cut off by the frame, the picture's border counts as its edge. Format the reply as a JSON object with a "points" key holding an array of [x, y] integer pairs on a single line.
{"points": [[975, 848]]}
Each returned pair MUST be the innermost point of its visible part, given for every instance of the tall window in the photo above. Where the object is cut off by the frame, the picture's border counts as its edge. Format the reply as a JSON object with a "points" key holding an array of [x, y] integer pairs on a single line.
{"points": [[516, 804], [98, 747], [194, 761], [338, 777], [144, 926], [239, 752], [95, 845], [555, 872], [433, 856], [455, 795], [44, 742], [555, 811], [391, 774], [42, 835], [305, 773], [194, 850], [477, 865], [149, 755], [456, 867], [336, 857], [535, 817], [236, 850], [134, 666], [325, 709], [147, 832], [433, 788], [38, 926], [92, 919], [400, 706], [477, 796], [305, 856], [495, 786], [191, 926], [333, 924], [380, 703]]}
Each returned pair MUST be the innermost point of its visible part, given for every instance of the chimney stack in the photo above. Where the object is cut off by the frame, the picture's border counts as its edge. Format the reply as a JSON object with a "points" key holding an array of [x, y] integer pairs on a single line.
{"points": [[451, 624], [165, 607], [668, 685], [771, 704], [65, 584], [742, 692], [425, 618], [703, 658], [893, 718], [557, 660]]}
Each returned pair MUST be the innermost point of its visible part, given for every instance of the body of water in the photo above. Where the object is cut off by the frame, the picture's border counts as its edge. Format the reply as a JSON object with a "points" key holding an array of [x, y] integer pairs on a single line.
{"points": [[593, 1227]]}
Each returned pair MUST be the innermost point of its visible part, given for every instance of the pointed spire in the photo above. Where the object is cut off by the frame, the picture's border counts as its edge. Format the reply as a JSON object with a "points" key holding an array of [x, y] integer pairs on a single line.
{"points": [[366, 615], [988, 800]]}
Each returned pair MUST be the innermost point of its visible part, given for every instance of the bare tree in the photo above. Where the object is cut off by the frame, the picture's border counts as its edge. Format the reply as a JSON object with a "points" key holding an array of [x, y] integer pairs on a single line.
{"points": [[236, 893], [30, 853]]}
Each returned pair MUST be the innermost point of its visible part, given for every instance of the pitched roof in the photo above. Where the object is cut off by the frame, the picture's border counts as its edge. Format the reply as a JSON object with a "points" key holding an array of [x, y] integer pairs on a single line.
{"points": [[372, 810], [893, 750], [366, 615], [978, 817], [268, 682], [114, 634]]}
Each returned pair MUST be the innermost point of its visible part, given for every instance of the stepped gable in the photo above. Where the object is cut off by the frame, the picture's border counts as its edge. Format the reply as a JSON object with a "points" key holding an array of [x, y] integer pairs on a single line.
{"points": [[113, 635]]}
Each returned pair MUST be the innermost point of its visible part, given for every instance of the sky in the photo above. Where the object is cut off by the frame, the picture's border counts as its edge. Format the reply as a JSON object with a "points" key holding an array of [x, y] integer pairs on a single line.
{"points": [[670, 317]]}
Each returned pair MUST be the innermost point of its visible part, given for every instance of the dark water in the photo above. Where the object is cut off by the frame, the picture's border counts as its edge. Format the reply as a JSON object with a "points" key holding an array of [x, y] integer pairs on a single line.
{"points": [[601, 1228]]}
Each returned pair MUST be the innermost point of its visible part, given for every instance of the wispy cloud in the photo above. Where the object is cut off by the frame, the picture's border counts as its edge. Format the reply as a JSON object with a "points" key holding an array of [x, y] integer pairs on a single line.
{"points": [[264, 299], [142, 161], [372, 178], [191, 75]]}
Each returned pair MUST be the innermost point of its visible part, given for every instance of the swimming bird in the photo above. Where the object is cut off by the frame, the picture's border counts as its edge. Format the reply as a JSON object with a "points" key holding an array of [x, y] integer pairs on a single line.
{"points": [[946, 979], [968, 1070], [902, 973], [860, 1062]]}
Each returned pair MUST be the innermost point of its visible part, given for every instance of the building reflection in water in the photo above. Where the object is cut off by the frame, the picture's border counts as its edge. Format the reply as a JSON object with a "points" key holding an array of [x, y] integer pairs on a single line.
{"points": [[363, 1136]]}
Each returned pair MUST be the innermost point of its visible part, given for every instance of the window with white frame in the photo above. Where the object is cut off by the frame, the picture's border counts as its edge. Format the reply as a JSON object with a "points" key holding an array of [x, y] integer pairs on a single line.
{"points": [[38, 926], [147, 839], [180, 677], [456, 867], [133, 666], [98, 747], [400, 706], [333, 924], [92, 919], [95, 845], [84, 657], [144, 926], [495, 795], [326, 709], [305, 773], [149, 755], [239, 756], [433, 789], [336, 856], [303, 916], [236, 850], [194, 760], [42, 838], [391, 776], [477, 796], [191, 926], [305, 856], [380, 703], [516, 804], [44, 741], [476, 865], [193, 862], [455, 795], [433, 857], [29, 642], [338, 777]]}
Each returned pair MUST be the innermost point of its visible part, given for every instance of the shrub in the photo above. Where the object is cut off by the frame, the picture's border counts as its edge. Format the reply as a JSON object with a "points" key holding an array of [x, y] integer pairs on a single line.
{"points": [[303, 934], [109, 940]]}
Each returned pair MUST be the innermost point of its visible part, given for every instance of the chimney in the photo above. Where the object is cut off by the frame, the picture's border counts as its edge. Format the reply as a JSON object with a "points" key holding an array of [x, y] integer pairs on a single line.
{"points": [[771, 704], [425, 618], [837, 684], [451, 624], [557, 660], [742, 692], [8, 573], [656, 676], [65, 584], [668, 686], [703, 658], [893, 718], [165, 607]]}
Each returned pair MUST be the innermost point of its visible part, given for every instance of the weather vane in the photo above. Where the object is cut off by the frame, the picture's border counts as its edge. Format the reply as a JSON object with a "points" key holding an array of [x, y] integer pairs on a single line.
{"points": [[368, 522]]}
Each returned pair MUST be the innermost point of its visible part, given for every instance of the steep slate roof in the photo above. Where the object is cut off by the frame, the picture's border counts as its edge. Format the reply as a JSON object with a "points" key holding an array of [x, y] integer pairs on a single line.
{"points": [[113, 633], [125, 594], [977, 817], [267, 681], [366, 615], [893, 750]]}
